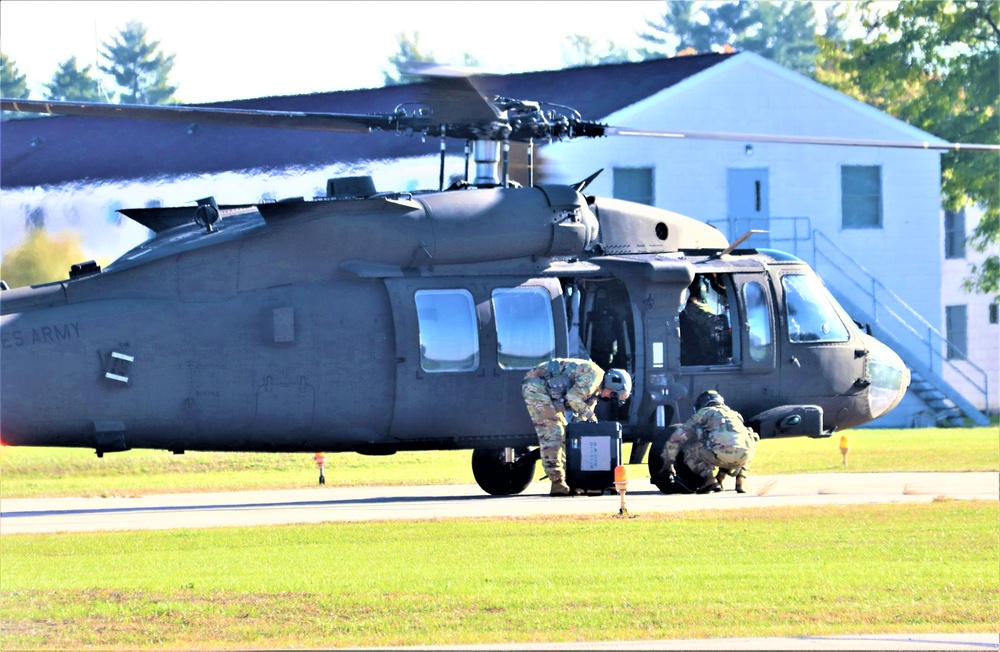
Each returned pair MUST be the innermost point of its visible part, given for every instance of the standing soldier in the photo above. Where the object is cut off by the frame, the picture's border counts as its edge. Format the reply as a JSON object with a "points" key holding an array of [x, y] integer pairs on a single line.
{"points": [[713, 437], [562, 384]]}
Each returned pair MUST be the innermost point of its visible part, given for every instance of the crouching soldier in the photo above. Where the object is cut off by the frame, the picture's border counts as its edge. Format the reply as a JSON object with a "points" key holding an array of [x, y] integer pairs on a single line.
{"points": [[562, 384], [714, 436]]}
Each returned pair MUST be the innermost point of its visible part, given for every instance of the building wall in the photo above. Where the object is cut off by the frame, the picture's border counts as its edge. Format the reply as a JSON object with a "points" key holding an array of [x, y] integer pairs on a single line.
{"points": [[983, 337]]}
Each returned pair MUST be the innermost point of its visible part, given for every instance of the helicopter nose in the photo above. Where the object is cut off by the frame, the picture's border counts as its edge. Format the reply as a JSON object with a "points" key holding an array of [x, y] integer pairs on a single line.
{"points": [[889, 377]]}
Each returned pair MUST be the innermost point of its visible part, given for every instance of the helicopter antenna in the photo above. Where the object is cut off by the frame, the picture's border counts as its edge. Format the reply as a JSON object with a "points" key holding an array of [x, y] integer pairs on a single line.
{"points": [[728, 250], [579, 187]]}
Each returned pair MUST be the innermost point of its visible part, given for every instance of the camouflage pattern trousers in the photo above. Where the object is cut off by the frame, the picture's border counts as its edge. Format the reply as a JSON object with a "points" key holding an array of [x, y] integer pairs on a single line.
{"points": [[702, 459], [549, 420]]}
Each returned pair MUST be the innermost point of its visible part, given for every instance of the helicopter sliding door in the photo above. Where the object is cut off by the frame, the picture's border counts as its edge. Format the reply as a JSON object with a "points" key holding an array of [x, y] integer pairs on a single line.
{"points": [[463, 346]]}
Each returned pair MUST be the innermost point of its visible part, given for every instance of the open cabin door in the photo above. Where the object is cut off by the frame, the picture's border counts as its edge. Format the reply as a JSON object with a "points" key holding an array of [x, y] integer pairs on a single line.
{"points": [[463, 346]]}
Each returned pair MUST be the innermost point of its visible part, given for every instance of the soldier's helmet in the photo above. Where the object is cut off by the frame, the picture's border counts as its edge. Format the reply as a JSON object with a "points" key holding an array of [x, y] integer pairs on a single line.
{"points": [[619, 382], [711, 397]]}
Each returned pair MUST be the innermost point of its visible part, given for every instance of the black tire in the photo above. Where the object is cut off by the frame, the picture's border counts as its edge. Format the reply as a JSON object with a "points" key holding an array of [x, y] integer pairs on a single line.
{"points": [[655, 464], [497, 477]]}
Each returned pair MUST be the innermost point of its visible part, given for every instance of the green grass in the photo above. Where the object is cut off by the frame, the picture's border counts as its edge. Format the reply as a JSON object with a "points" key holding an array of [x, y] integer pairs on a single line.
{"points": [[797, 571], [40, 472]]}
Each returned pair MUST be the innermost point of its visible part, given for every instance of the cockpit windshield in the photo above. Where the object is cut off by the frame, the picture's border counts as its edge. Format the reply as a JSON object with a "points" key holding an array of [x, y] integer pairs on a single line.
{"points": [[810, 310]]}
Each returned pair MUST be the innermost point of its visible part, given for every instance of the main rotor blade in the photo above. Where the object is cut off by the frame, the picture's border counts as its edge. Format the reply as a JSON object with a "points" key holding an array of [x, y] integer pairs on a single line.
{"points": [[342, 122], [797, 140], [453, 97]]}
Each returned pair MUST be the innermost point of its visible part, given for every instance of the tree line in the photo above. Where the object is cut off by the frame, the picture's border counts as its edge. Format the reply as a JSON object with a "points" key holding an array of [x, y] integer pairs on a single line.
{"points": [[934, 65], [137, 68]]}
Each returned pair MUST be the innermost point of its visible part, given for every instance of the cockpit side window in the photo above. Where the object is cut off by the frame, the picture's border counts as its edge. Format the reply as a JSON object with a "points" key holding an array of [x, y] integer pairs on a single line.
{"points": [[810, 311], [525, 330], [706, 331], [758, 322], [449, 331]]}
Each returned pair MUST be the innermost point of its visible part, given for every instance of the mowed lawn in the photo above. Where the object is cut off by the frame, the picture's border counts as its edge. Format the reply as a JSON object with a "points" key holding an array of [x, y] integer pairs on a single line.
{"points": [[39, 472], [796, 571], [930, 567]]}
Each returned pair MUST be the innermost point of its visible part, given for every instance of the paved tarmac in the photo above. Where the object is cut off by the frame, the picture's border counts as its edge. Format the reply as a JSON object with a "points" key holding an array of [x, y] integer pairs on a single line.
{"points": [[326, 504]]}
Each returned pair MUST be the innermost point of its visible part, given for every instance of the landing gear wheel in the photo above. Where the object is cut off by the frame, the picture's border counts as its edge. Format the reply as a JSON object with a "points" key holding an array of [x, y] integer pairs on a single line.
{"points": [[498, 477]]}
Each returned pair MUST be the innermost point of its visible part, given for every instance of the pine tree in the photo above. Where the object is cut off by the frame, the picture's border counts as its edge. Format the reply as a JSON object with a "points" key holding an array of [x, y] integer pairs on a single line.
{"points": [[71, 83], [784, 32], [12, 82], [408, 52], [138, 67]]}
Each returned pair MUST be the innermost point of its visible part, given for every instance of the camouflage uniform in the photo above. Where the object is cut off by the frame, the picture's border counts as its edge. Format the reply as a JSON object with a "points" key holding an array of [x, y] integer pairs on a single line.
{"points": [[549, 390], [713, 437], [697, 333]]}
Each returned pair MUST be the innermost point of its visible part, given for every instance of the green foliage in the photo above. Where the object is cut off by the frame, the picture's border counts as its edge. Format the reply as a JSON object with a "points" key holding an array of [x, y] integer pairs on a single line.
{"points": [[12, 82], [71, 83], [138, 67], [580, 50], [784, 32], [41, 258], [797, 571], [409, 52], [936, 66]]}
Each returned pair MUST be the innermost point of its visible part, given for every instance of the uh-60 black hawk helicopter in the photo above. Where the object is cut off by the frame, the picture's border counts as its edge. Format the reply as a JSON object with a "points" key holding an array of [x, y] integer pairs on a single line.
{"points": [[384, 321]]}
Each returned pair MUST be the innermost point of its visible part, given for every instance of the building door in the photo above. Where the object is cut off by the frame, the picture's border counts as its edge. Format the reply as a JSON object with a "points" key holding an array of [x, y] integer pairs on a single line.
{"points": [[747, 201]]}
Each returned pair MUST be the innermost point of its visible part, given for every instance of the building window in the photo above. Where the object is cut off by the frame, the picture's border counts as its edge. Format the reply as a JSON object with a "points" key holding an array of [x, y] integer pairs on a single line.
{"points": [[861, 196], [449, 331], [995, 313], [526, 334], [954, 234], [956, 331], [633, 184]]}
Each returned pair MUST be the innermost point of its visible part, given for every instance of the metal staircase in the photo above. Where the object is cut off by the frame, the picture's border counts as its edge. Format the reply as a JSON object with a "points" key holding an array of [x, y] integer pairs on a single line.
{"points": [[892, 321]]}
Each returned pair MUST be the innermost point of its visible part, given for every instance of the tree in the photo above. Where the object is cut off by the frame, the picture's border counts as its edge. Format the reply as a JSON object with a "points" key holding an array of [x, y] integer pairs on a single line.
{"points": [[784, 32], [936, 66], [580, 50], [70, 83], [138, 67], [41, 258], [12, 82], [408, 53]]}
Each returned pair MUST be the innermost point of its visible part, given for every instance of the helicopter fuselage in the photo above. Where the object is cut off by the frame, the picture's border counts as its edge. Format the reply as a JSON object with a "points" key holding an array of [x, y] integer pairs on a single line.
{"points": [[408, 321]]}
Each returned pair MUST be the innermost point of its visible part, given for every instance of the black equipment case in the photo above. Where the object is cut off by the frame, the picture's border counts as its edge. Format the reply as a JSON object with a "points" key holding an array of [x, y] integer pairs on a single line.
{"points": [[593, 450]]}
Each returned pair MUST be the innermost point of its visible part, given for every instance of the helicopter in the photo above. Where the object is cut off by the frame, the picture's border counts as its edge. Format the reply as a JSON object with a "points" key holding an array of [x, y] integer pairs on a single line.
{"points": [[382, 321]]}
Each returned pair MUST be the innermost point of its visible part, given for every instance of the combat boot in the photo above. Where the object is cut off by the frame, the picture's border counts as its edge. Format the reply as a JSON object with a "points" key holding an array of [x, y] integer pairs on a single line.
{"points": [[739, 485], [560, 488], [710, 487], [720, 476]]}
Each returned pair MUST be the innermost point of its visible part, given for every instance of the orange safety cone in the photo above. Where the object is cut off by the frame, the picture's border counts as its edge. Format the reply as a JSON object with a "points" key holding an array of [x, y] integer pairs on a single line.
{"points": [[844, 447], [621, 483], [321, 462]]}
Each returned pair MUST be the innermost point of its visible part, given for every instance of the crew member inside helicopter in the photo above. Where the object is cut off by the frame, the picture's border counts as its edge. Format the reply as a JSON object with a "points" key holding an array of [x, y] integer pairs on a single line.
{"points": [[705, 336], [567, 384]]}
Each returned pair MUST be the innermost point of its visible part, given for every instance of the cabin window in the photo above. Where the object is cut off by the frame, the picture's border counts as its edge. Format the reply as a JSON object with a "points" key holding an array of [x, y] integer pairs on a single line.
{"points": [[861, 196], [525, 330], [810, 312], [633, 184], [954, 234], [706, 334], [758, 322], [956, 331], [449, 333]]}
